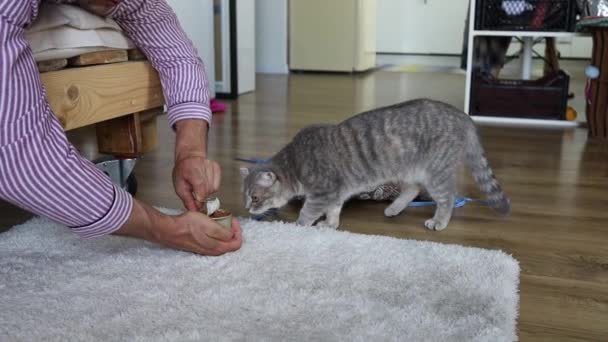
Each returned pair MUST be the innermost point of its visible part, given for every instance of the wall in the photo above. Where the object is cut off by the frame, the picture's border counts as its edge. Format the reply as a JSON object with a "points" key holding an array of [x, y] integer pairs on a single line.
{"points": [[196, 18], [271, 36], [437, 27], [420, 26], [246, 47]]}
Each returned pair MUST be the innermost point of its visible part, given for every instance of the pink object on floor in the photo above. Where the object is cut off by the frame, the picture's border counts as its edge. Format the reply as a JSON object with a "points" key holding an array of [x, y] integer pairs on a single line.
{"points": [[217, 106]]}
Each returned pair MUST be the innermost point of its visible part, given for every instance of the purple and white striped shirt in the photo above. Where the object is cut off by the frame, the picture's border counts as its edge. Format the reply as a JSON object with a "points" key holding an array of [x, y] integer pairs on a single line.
{"points": [[40, 170]]}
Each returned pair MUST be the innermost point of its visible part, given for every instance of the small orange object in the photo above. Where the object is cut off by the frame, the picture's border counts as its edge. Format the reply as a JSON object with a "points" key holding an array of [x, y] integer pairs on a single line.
{"points": [[571, 114]]}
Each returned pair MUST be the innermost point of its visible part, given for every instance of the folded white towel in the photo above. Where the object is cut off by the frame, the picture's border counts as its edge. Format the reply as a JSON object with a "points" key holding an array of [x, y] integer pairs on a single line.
{"points": [[64, 31]]}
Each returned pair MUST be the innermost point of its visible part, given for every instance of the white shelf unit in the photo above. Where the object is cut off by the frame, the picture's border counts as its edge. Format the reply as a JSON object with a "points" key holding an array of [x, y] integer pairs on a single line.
{"points": [[526, 68]]}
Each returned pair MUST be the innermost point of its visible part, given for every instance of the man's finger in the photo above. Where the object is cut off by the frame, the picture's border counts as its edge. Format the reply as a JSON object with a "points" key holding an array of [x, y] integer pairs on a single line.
{"points": [[187, 198], [212, 252], [236, 227], [222, 247], [230, 246], [208, 244], [208, 177], [218, 232], [217, 176], [238, 234], [200, 190], [237, 239]]}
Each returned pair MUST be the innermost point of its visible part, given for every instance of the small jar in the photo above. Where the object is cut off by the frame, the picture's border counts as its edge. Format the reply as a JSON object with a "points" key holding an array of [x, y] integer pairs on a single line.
{"points": [[223, 217], [212, 209]]}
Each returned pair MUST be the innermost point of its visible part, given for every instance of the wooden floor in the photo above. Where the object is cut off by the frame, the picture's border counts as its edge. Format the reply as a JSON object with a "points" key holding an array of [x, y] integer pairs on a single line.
{"points": [[558, 182]]}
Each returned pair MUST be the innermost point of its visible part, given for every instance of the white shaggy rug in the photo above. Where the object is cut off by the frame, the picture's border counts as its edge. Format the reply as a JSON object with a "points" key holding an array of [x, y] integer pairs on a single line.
{"points": [[285, 284]]}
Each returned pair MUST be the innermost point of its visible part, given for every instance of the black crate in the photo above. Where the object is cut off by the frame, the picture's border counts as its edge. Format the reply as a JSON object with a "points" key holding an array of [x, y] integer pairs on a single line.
{"points": [[545, 98], [526, 15]]}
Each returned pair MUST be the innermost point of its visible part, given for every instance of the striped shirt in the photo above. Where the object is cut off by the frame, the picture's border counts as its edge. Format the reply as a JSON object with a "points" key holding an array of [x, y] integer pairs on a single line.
{"points": [[40, 170]]}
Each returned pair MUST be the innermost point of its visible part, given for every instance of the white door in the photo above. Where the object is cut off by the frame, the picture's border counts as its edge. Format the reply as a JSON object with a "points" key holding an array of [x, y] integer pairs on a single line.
{"points": [[245, 19], [196, 18], [421, 26]]}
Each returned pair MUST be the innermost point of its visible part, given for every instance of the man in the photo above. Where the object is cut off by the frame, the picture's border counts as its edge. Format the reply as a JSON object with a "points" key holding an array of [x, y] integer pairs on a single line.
{"points": [[43, 173]]}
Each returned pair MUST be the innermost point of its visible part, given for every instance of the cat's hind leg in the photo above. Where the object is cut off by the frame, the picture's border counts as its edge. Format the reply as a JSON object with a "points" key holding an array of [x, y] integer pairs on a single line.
{"points": [[408, 193]]}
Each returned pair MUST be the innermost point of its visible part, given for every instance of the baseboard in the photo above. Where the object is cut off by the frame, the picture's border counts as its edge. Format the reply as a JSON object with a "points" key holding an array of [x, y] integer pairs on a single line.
{"points": [[272, 69]]}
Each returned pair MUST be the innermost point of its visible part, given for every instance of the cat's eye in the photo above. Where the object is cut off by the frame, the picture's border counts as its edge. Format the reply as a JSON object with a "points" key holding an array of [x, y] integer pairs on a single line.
{"points": [[254, 199]]}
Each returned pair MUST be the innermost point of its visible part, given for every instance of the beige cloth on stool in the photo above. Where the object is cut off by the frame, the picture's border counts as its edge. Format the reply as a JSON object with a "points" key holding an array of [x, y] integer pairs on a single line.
{"points": [[64, 31]]}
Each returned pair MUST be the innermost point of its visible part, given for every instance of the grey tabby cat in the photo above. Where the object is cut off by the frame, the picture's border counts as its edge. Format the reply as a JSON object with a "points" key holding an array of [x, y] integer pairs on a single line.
{"points": [[420, 144]]}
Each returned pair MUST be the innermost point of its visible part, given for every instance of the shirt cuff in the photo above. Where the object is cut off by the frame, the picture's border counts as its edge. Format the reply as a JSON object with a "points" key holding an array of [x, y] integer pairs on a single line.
{"points": [[188, 110], [115, 218]]}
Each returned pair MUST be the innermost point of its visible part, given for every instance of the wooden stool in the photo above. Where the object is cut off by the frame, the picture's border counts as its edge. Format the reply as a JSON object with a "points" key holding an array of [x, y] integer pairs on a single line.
{"points": [[120, 93]]}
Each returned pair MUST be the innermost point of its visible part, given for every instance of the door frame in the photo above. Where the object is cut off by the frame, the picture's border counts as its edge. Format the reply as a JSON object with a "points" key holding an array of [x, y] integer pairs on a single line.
{"points": [[229, 46]]}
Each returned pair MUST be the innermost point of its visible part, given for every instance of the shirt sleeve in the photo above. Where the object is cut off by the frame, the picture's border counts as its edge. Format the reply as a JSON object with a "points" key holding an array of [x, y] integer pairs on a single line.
{"points": [[155, 29], [40, 171]]}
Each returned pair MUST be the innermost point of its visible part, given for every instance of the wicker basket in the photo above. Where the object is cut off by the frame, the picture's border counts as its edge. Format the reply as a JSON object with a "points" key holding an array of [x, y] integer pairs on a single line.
{"points": [[526, 15], [545, 98]]}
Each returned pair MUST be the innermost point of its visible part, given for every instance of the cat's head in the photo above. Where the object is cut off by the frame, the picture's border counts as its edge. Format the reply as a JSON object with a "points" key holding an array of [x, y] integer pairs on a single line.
{"points": [[263, 190]]}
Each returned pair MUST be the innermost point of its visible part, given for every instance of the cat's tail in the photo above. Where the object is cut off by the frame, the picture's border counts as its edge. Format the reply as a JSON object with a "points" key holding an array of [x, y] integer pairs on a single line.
{"points": [[483, 175]]}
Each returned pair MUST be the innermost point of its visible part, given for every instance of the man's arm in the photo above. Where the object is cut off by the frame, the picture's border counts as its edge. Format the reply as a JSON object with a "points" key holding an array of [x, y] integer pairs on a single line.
{"points": [[43, 173], [40, 170], [155, 29]]}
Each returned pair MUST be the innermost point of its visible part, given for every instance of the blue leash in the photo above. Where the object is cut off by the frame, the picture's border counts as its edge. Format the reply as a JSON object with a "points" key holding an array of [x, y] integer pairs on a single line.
{"points": [[458, 202], [253, 160]]}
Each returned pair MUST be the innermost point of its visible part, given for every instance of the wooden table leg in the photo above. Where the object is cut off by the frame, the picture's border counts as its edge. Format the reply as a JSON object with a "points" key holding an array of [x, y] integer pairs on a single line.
{"points": [[597, 107], [551, 56], [149, 129], [128, 136]]}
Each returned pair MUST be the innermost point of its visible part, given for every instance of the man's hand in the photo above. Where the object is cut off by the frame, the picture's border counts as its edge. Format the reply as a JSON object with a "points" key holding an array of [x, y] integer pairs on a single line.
{"points": [[197, 233], [191, 231], [194, 176]]}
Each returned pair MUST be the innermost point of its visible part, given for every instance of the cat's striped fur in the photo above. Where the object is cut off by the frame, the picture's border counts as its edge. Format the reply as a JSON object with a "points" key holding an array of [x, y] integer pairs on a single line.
{"points": [[420, 144]]}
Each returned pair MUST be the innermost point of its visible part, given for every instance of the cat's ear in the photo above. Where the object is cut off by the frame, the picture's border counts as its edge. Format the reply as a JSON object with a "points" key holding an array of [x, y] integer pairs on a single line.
{"points": [[244, 172], [266, 179]]}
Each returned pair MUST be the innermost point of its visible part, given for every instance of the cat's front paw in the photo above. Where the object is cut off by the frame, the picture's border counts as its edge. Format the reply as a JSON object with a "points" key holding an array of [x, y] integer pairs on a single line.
{"points": [[327, 224], [391, 212], [304, 223], [436, 225]]}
